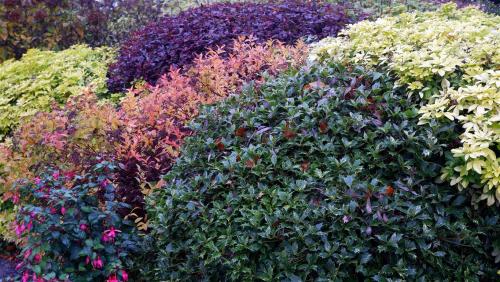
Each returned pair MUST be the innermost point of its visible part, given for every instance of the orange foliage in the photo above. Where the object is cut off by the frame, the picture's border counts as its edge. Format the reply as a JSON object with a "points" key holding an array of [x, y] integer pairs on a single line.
{"points": [[144, 134]]}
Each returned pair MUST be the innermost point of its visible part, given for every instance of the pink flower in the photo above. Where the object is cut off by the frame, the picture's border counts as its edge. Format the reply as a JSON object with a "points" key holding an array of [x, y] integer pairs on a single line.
{"points": [[104, 183], [38, 258], [109, 235], [84, 227], [15, 199], [37, 180], [63, 210], [97, 263], [124, 275], [70, 174], [56, 175], [27, 254], [87, 260], [20, 229], [36, 279], [26, 276], [112, 278], [19, 265], [52, 210], [346, 218]]}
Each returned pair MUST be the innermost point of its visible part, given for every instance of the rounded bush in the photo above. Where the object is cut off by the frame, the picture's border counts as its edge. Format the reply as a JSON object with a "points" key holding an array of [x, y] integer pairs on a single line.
{"points": [[175, 41], [321, 175]]}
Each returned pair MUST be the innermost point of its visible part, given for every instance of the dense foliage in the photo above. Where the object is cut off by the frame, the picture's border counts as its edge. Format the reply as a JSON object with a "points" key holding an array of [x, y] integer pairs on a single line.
{"points": [[144, 134], [34, 24], [321, 175], [71, 229], [56, 25], [42, 78], [175, 41], [451, 58]]}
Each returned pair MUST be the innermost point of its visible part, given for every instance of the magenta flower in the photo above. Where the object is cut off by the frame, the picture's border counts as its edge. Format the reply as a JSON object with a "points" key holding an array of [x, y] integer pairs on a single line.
{"points": [[38, 180], [63, 210], [87, 260], [109, 235], [124, 275], [19, 265], [38, 258], [112, 278], [20, 229], [27, 254], [56, 175], [26, 276], [97, 263], [84, 227], [104, 183]]}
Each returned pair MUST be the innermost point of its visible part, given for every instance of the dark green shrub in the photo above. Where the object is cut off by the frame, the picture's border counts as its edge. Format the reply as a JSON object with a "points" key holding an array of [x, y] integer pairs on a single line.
{"points": [[71, 229], [321, 175]]}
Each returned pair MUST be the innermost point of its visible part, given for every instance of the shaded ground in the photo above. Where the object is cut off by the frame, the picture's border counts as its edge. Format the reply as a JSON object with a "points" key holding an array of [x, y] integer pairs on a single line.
{"points": [[7, 269]]}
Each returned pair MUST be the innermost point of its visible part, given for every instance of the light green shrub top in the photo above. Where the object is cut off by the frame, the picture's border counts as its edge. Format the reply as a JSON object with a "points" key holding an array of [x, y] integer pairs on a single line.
{"points": [[451, 57], [40, 78]]}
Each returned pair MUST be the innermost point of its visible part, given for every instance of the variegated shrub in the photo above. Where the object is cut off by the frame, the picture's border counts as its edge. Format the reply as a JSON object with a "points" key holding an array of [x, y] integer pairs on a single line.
{"points": [[451, 58]]}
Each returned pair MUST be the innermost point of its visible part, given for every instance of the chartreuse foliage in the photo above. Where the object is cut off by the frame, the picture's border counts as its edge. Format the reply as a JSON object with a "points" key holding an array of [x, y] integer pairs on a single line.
{"points": [[451, 58], [71, 230], [41, 78], [320, 175]]}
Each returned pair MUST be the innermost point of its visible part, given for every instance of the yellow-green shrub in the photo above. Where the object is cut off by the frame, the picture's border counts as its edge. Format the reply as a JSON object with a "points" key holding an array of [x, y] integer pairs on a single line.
{"points": [[451, 58], [41, 78]]}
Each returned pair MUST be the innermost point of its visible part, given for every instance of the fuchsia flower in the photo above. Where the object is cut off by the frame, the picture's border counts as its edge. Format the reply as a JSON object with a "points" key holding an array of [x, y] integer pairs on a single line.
{"points": [[15, 199], [27, 254], [112, 278], [63, 210], [104, 183], [84, 227], [97, 263], [26, 276], [87, 260], [70, 174], [109, 235], [19, 265], [37, 180], [38, 258], [20, 229], [124, 275], [56, 175], [36, 279], [52, 210]]}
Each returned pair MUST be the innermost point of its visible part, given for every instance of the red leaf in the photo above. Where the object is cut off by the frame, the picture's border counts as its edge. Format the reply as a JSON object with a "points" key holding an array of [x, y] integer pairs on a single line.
{"points": [[219, 144], [305, 166], [323, 127], [240, 132], [288, 133], [389, 191]]}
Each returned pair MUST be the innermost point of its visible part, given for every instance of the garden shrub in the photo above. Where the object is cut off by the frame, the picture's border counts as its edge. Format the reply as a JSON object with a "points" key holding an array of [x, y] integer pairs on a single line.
{"points": [[450, 58], [175, 41], [321, 175], [41, 78], [37, 24], [143, 136], [71, 229]]}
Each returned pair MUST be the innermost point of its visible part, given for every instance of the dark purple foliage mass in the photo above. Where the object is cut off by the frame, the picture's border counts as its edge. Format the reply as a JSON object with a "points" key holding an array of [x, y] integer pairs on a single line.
{"points": [[175, 41]]}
